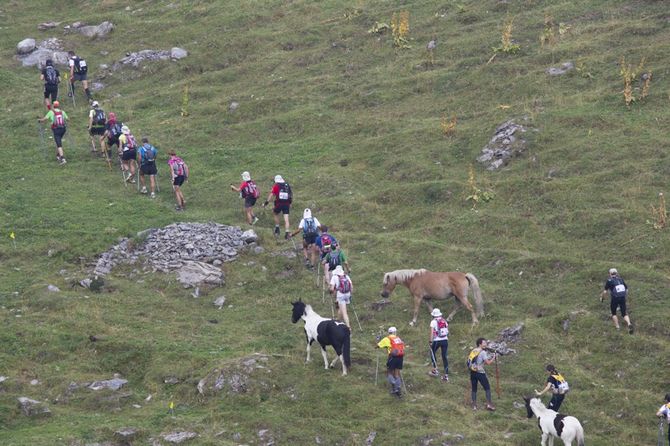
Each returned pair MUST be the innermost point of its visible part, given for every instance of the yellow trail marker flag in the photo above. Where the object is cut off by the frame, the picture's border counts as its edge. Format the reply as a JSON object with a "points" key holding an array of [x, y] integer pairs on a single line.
{"points": [[11, 235], [171, 405]]}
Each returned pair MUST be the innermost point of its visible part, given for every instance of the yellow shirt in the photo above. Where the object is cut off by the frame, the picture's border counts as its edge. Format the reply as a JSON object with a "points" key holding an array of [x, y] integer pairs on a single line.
{"points": [[385, 343]]}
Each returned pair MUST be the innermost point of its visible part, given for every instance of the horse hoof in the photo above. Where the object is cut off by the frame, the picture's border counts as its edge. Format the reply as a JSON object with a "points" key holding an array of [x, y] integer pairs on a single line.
{"points": [[411, 324]]}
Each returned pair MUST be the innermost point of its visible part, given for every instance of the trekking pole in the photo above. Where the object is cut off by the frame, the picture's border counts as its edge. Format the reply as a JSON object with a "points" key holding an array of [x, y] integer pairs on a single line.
{"points": [[354, 310], [660, 433], [40, 129], [377, 367], [123, 173], [402, 381], [432, 356], [109, 162], [318, 268], [70, 89], [498, 389]]}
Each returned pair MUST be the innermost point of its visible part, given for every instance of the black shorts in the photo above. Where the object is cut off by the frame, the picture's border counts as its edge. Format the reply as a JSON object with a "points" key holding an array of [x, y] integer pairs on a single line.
{"points": [[128, 155], [394, 363], [97, 131], [249, 201], [281, 208], [51, 90], [59, 132], [113, 142], [308, 239], [148, 168], [179, 180], [80, 76], [618, 302]]}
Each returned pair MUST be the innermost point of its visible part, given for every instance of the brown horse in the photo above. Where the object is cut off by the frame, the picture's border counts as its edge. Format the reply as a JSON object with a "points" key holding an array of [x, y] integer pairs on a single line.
{"points": [[427, 285]]}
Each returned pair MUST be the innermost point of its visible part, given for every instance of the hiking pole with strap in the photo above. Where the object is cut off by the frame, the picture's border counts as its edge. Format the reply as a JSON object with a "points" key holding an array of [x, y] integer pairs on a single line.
{"points": [[123, 173], [318, 268], [357, 320], [70, 90], [498, 389], [660, 434], [402, 381]]}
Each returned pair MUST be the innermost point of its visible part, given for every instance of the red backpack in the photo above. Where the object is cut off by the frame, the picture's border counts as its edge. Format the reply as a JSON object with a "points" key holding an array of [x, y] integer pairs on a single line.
{"points": [[442, 327], [251, 189], [344, 285], [397, 346], [59, 120]]}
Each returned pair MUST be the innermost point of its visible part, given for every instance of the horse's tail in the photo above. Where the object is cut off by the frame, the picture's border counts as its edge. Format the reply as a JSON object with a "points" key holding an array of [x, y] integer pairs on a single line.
{"points": [[580, 436], [477, 293], [346, 348]]}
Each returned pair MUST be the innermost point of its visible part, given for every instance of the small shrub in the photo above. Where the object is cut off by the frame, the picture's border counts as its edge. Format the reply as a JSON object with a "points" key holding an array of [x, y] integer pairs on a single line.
{"points": [[659, 214], [476, 194], [400, 29], [628, 74], [448, 125]]}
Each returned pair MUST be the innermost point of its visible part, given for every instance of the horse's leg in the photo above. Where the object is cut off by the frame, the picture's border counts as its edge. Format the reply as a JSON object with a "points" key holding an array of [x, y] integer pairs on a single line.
{"points": [[332, 364], [417, 304], [544, 438], [462, 296], [325, 357], [456, 308], [309, 345]]}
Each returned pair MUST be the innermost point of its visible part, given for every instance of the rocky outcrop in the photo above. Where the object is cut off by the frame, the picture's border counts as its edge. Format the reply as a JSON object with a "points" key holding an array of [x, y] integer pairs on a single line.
{"points": [[33, 408], [25, 46], [235, 378], [507, 143], [100, 30]]}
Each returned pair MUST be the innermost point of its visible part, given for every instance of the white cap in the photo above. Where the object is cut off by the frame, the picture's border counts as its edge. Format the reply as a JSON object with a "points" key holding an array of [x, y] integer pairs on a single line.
{"points": [[436, 312], [246, 176], [338, 271], [125, 130], [392, 330], [613, 271], [94, 104], [278, 179], [307, 213]]}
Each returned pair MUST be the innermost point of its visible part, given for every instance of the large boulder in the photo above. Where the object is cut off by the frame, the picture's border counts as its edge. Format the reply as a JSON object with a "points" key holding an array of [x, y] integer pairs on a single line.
{"points": [[33, 408], [25, 46], [96, 31], [40, 55], [236, 378]]}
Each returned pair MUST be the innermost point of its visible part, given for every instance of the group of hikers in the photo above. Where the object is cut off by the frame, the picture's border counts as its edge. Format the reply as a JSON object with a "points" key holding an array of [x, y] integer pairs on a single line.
{"points": [[107, 131], [319, 247]]}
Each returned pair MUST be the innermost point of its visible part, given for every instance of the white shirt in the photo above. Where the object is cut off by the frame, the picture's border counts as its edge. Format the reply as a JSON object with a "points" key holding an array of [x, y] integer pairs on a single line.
{"points": [[665, 411], [302, 223], [335, 283]]}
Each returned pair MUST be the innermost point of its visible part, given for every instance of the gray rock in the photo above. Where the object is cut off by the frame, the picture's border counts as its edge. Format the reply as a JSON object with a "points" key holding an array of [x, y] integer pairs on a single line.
{"points": [[25, 46], [86, 283], [52, 43], [560, 70], [259, 250], [33, 408], [371, 438], [113, 384], [507, 142], [137, 58], [100, 30], [97, 86], [125, 435], [3, 379], [249, 236], [34, 382], [220, 301], [53, 289], [178, 53], [47, 25], [179, 437], [193, 273], [40, 55], [234, 105], [172, 380]]}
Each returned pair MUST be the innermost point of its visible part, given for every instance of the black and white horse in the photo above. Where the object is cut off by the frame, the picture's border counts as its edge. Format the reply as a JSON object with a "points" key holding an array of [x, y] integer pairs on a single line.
{"points": [[553, 424], [325, 332]]}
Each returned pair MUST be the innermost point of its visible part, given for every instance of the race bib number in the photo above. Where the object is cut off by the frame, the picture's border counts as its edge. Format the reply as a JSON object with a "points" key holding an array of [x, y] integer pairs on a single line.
{"points": [[283, 195], [82, 63], [620, 288]]}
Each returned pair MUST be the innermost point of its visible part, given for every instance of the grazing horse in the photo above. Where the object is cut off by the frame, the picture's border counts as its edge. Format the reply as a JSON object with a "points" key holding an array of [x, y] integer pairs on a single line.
{"points": [[554, 425], [427, 285], [325, 332]]}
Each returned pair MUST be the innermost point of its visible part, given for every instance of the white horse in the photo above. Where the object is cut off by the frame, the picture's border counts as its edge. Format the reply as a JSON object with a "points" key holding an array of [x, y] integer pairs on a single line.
{"points": [[325, 332], [554, 425]]}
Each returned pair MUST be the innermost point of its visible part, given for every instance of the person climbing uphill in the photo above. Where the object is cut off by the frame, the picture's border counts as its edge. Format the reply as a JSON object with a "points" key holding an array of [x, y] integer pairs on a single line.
{"points": [[58, 120], [249, 192]]}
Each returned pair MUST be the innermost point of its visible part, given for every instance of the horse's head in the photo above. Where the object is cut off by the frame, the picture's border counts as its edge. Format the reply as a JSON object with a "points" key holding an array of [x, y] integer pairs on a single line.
{"points": [[298, 310], [529, 410], [388, 286]]}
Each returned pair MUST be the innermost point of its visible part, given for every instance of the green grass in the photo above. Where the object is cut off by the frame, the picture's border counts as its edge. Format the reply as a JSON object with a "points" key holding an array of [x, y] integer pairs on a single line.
{"points": [[315, 89]]}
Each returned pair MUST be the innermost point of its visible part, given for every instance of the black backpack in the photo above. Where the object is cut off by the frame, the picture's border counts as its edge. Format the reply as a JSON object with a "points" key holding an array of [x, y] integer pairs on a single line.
{"points": [[50, 75], [618, 288], [79, 65], [99, 118], [115, 131], [285, 193]]}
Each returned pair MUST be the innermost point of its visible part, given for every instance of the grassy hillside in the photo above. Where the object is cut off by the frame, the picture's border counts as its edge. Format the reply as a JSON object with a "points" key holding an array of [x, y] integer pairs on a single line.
{"points": [[354, 124]]}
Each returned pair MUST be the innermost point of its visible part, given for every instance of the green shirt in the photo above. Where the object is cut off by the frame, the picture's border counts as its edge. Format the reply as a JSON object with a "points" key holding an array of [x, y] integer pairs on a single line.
{"points": [[51, 116]]}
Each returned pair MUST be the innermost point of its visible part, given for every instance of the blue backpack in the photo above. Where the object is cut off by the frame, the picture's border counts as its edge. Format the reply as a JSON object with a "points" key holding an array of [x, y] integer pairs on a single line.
{"points": [[309, 227]]}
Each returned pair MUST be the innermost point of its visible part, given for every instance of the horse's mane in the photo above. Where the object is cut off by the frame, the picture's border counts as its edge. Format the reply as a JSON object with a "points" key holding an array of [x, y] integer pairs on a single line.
{"points": [[402, 275]]}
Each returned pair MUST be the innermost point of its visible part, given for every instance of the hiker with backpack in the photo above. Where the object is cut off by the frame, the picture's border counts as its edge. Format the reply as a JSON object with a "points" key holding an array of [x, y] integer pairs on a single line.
{"points": [[618, 291], [309, 226], [476, 361], [96, 125], [78, 72], [664, 412], [324, 241], [180, 174], [395, 347], [128, 153], [249, 192], [111, 136], [341, 287], [147, 154], [439, 338], [334, 257], [58, 120], [283, 197], [558, 386], [51, 78]]}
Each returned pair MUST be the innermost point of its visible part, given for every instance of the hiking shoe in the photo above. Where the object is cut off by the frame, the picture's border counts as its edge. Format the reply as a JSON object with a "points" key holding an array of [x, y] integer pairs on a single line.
{"points": [[277, 231], [153, 195], [254, 221], [62, 161], [434, 373], [474, 406], [144, 190], [490, 407], [631, 329], [178, 208], [69, 94], [445, 378], [286, 236]]}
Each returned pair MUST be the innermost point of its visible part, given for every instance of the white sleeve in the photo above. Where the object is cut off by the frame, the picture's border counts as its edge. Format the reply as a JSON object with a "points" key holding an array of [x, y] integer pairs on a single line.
{"points": [[334, 281], [433, 324], [316, 222], [302, 224], [71, 62]]}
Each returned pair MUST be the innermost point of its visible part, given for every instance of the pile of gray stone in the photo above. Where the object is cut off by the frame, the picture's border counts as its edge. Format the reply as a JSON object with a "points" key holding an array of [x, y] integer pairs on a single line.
{"points": [[507, 142], [137, 58], [193, 250]]}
